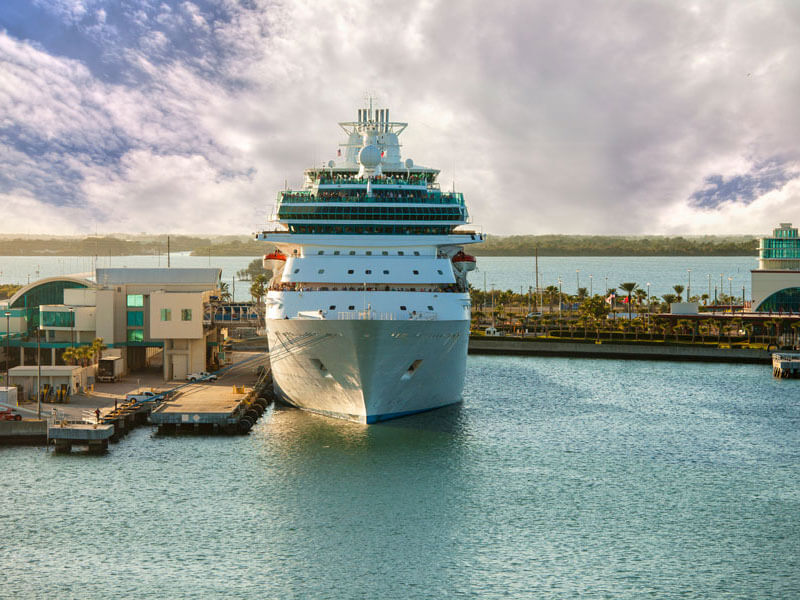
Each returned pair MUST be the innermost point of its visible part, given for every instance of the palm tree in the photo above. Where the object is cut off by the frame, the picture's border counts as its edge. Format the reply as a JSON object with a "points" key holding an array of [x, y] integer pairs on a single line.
{"points": [[69, 355], [224, 292], [258, 288], [97, 348], [678, 290], [628, 286]]}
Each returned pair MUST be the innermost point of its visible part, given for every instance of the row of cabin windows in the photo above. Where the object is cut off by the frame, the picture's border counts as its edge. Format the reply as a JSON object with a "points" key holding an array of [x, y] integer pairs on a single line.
{"points": [[366, 272], [352, 307], [369, 230], [368, 253]]}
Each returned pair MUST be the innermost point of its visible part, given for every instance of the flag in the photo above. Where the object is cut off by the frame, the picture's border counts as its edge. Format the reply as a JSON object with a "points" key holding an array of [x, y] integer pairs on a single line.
{"points": [[610, 299], [383, 153], [625, 300]]}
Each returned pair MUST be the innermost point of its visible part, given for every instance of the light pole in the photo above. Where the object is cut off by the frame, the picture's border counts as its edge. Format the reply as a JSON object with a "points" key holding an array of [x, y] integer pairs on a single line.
{"points": [[559, 297], [709, 287], [648, 297], [730, 289], [591, 289], [39, 372], [721, 287], [72, 331], [8, 336], [606, 290], [689, 286], [578, 280]]}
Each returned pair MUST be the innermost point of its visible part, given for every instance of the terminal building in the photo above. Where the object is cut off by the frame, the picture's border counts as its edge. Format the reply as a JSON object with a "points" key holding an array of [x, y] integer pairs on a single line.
{"points": [[776, 282], [151, 318]]}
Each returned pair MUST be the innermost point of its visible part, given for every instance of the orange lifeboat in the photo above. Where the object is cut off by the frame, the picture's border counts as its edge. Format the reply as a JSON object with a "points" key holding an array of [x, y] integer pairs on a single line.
{"points": [[464, 262], [274, 261]]}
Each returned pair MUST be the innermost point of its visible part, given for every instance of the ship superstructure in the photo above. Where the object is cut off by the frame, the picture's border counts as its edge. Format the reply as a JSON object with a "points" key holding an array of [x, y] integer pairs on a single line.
{"points": [[368, 309]]}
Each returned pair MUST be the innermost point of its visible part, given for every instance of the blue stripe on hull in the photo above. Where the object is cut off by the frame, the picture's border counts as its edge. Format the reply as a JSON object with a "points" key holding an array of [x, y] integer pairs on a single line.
{"points": [[385, 417]]}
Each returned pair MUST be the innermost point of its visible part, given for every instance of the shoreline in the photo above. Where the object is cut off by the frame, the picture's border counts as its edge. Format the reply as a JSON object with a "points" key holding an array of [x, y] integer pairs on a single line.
{"points": [[644, 350]]}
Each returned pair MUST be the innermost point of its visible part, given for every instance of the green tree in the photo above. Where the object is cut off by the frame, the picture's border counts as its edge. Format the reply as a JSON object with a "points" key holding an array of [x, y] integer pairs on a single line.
{"points": [[224, 291], [69, 355], [678, 291], [258, 289], [595, 307]]}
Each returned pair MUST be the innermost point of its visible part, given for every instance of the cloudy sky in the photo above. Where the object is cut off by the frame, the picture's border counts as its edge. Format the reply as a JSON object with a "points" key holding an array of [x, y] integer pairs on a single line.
{"points": [[553, 116]]}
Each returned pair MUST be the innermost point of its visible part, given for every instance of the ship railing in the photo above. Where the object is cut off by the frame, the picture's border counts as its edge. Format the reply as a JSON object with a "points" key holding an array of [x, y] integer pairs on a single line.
{"points": [[373, 315]]}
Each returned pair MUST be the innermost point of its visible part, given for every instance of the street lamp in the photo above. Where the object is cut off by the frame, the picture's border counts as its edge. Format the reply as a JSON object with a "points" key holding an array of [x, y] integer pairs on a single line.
{"points": [[730, 289], [8, 336], [648, 297], [72, 332], [689, 286], [591, 289], [578, 280], [39, 372], [559, 297]]}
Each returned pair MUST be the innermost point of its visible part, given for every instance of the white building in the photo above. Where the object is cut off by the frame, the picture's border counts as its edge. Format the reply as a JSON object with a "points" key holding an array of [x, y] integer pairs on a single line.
{"points": [[776, 282], [143, 315]]}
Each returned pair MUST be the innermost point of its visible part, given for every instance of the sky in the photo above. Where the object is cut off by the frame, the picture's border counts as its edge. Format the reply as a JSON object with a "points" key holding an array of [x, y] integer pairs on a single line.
{"points": [[551, 116]]}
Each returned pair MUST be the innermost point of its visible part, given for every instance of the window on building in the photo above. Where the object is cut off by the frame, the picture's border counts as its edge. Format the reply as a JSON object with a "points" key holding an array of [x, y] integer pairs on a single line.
{"points": [[58, 319], [186, 314], [135, 300], [135, 318], [166, 314], [135, 335]]}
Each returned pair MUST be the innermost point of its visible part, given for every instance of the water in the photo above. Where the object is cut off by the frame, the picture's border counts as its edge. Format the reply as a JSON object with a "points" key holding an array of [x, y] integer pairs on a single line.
{"points": [[502, 273], [556, 478]]}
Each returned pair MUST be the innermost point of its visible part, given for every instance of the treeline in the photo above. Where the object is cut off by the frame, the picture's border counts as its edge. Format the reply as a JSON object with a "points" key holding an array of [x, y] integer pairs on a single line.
{"points": [[516, 245], [130, 246], [602, 245]]}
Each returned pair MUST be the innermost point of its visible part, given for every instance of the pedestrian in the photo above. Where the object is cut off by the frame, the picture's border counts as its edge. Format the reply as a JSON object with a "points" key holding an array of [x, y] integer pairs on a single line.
{"points": [[97, 414]]}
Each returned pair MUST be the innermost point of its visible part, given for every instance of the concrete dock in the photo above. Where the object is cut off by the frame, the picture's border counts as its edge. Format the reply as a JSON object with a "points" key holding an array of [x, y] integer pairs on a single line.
{"points": [[13, 433], [786, 365], [65, 435]]}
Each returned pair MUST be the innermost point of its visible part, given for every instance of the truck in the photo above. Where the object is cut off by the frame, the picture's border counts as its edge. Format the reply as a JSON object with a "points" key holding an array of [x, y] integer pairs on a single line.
{"points": [[140, 396], [109, 369]]}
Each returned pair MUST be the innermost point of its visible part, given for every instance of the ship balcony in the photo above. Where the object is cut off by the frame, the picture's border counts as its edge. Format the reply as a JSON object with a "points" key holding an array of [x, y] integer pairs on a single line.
{"points": [[358, 196]]}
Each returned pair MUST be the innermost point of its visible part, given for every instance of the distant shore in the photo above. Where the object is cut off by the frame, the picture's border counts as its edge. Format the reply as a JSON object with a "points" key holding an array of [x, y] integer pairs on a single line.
{"points": [[525, 245]]}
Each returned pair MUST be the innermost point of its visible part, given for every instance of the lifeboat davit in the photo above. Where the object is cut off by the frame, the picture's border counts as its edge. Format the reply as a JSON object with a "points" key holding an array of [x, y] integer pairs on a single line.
{"points": [[274, 261], [464, 262]]}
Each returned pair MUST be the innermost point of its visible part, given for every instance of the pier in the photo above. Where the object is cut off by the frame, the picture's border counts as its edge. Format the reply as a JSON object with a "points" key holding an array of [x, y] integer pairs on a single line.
{"points": [[65, 435], [786, 365]]}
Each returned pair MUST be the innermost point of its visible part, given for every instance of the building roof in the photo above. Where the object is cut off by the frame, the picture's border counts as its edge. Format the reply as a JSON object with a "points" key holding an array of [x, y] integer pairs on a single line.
{"points": [[180, 276]]}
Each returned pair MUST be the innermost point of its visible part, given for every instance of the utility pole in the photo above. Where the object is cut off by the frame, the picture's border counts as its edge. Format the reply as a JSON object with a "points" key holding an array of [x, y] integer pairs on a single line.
{"points": [[168, 265], [39, 372]]}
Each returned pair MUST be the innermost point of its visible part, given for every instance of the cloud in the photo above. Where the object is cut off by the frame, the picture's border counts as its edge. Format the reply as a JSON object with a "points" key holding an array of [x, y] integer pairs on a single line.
{"points": [[611, 117]]}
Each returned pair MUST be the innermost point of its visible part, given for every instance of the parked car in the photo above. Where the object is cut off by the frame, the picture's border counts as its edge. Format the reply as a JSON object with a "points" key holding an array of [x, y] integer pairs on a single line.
{"points": [[140, 396], [7, 414], [201, 376]]}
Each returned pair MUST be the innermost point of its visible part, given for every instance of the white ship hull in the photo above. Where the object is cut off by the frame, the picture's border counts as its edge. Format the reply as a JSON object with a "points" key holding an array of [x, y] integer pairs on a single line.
{"points": [[368, 370]]}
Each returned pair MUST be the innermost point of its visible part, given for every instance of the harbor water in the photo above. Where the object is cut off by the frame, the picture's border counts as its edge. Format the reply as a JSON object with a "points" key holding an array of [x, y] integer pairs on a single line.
{"points": [[727, 274], [555, 478]]}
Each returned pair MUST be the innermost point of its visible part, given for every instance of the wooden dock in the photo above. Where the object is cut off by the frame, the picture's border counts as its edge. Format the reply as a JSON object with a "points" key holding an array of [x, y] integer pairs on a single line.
{"points": [[786, 365]]}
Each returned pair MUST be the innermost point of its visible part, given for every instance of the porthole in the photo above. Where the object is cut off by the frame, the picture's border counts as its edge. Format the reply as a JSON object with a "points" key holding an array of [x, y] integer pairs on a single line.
{"points": [[385, 272], [439, 271], [349, 271], [332, 307], [321, 271], [400, 253], [416, 252], [352, 252], [297, 270], [385, 253], [415, 272], [369, 252], [368, 272], [351, 307], [402, 307], [336, 253], [430, 308], [321, 252]]}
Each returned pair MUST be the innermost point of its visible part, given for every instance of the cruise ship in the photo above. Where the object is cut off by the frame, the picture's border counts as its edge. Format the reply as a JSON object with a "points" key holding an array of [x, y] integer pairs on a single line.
{"points": [[368, 308]]}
